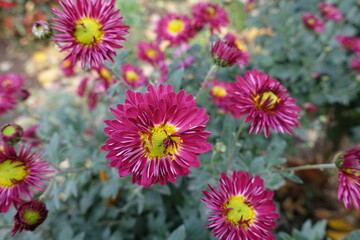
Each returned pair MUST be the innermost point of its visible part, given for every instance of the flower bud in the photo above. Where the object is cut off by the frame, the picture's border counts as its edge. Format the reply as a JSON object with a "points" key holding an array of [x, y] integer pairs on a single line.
{"points": [[11, 133], [42, 29], [220, 147]]}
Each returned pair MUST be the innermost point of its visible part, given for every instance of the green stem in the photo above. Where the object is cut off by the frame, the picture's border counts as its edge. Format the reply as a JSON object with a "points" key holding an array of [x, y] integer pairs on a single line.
{"points": [[206, 79], [229, 160], [312, 166]]}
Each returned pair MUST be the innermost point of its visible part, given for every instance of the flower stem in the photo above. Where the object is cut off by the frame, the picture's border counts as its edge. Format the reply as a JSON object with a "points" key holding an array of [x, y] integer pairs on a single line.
{"points": [[206, 79], [312, 166], [229, 160]]}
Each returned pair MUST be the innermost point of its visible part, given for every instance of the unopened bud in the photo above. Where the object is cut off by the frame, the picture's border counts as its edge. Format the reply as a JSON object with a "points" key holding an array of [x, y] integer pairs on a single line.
{"points": [[11, 133], [42, 29], [220, 147]]}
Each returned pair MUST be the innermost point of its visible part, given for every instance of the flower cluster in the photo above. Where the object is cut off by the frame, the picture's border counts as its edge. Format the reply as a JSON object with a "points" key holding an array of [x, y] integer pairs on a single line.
{"points": [[11, 90]]}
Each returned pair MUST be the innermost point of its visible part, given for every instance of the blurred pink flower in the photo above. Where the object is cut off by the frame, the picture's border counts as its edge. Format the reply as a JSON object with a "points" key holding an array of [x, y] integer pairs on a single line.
{"points": [[150, 52], [349, 42], [7, 102], [11, 83], [330, 12], [133, 76], [355, 64], [82, 87], [310, 107], [67, 67], [313, 23], [226, 54], [210, 13]]}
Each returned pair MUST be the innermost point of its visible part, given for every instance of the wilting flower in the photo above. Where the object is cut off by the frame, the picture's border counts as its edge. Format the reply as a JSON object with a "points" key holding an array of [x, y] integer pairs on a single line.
{"points": [[90, 30], [11, 133], [133, 76], [313, 23], [156, 136], [150, 52], [226, 54], [210, 13], [42, 29], [241, 208], [20, 173], [355, 64], [349, 178], [7, 102], [265, 102], [29, 216], [175, 28], [11, 83], [330, 12]]}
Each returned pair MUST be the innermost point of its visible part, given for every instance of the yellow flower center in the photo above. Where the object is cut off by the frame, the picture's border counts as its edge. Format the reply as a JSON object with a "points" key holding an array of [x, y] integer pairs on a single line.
{"points": [[88, 31], [31, 217], [176, 26], [66, 63], [266, 96], [211, 12], [219, 91], [131, 76], [352, 172], [159, 142], [6, 83], [11, 173], [151, 53], [106, 75], [8, 131], [2, 148], [311, 21], [241, 214], [239, 45]]}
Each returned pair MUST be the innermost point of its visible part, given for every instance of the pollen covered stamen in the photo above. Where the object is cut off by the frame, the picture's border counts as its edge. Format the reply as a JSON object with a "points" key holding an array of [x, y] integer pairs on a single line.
{"points": [[239, 211], [11, 173], [131, 76], [88, 31], [160, 141], [268, 100], [176, 26]]}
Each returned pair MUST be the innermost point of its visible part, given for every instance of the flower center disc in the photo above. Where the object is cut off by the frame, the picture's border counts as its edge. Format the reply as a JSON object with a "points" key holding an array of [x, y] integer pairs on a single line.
{"points": [[219, 91], [106, 75], [176, 26], [11, 173], [211, 12], [267, 97], [88, 32], [132, 76], [8, 131], [150, 53], [311, 21], [159, 143], [31, 217], [6, 83], [241, 213]]}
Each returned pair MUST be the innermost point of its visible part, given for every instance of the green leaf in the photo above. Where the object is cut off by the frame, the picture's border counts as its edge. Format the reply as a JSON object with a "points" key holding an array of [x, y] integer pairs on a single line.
{"points": [[178, 234], [176, 78], [354, 235]]}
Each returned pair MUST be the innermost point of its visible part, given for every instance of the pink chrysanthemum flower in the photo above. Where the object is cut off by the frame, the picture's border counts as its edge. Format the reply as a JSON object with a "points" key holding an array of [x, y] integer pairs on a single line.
{"points": [[11, 133], [150, 52], [133, 76], [226, 54], [245, 57], [20, 173], [90, 29], [11, 83], [29, 216], [210, 13], [67, 67], [241, 208], [349, 42], [313, 23], [355, 64], [175, 28], [105, 76], [330, 12], [249, 5], [349, 178], [7, 102], [265, 102], [157, 136], [219, 92]]}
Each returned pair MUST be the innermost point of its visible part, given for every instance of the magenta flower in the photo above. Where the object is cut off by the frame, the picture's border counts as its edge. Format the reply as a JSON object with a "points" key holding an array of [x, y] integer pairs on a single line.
{"points": [[187, 62], [11, 133], [349, 42], [7, 102], [67, 67], [92, 100], [241, 208], [175, 28], [150, 52], [80, 91], [163, 72], [11, 83], [210, 13], [330, 12], [90, 30], [156, 136], [105, 76], [245, 57], [29, 216], [313, 23], [249, 5], [133, 76], [265, 102], [226, 54], [20, 173], [219, 92], [355, 64], [349, 178], [310, 107]]}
